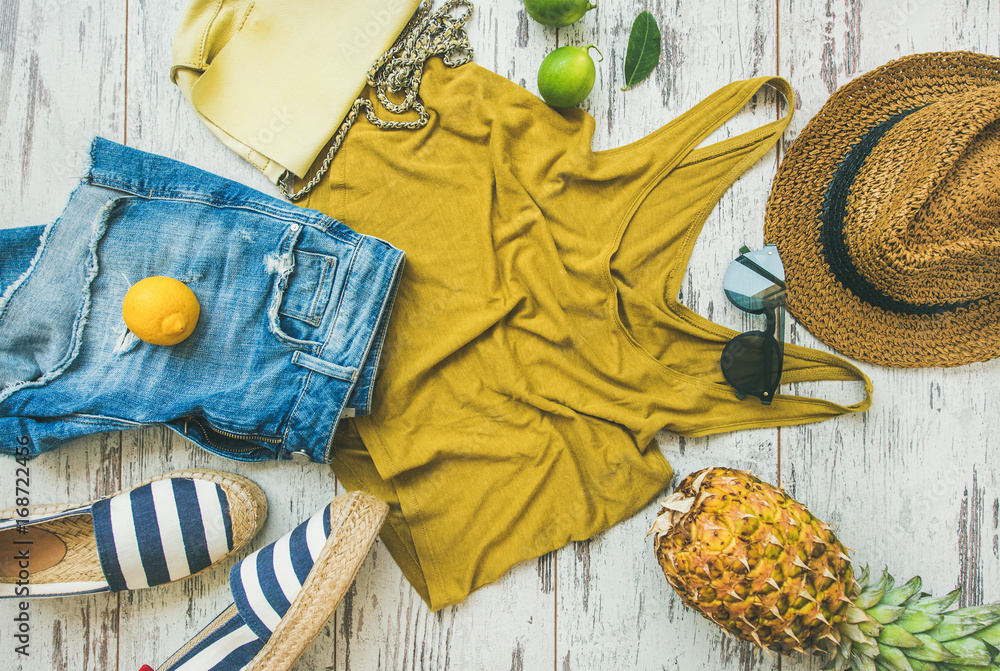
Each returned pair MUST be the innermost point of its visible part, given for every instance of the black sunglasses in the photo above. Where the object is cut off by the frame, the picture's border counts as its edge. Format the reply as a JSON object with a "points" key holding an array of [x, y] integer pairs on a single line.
{"points": [[752, 361]]}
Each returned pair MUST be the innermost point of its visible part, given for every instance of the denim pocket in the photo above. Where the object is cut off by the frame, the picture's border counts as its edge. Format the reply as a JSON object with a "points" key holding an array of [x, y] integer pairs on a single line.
{"points": [[310, 276], [309, 285]]}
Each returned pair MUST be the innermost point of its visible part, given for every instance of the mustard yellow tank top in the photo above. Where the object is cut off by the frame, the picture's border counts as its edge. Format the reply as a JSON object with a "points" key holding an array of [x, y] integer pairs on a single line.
{"points": [[537, 345]]}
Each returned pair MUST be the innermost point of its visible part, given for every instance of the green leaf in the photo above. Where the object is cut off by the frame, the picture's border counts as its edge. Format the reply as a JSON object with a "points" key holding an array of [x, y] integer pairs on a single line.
{"points": [[969, 651], [987, 611], [862, 663], [869, 598], [902, 593], [990, 635], [939, 605], [893, 659], [643, 50], [953, 627], [862, 579], [916, 622], [855, 615], [873, 593], [898, 637], [932, 651], [885, 613]]}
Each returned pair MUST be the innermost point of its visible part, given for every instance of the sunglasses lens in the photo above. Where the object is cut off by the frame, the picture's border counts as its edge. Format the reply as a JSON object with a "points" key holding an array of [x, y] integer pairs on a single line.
{"points": [[756, 280], [751, 363]]}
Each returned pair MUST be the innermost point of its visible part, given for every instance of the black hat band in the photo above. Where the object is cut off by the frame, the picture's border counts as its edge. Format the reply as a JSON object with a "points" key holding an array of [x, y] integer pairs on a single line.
{"points": [[834, 242]]}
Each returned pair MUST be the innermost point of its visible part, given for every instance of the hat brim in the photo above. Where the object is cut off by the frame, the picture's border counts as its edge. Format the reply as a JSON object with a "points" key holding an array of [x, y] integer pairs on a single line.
{"points": [[817, 299]]}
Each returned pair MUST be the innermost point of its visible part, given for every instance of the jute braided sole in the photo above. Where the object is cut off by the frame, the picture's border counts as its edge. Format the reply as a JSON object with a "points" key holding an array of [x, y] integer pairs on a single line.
{"points": [[355, 519], [247, 507]]}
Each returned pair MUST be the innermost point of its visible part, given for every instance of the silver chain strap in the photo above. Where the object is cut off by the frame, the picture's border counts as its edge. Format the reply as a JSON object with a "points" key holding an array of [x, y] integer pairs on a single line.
{"points": [[400, 69]]}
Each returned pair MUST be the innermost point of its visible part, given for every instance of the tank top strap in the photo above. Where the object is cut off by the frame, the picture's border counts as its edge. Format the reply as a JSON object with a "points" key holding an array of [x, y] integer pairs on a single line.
{"points": [[698, 177], [683, 134], [801, 364], [718, 165], [719, 107]]}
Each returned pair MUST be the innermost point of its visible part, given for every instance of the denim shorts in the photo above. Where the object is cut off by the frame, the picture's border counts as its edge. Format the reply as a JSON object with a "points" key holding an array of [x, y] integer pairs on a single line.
{"points": [[294, 307]]}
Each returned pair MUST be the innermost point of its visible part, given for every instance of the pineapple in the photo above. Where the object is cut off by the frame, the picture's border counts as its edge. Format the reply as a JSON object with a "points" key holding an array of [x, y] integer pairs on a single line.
{"points": [[758, 564]]}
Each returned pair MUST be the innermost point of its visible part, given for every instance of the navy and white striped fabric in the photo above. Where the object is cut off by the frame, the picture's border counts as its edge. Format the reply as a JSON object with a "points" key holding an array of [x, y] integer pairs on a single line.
{"points": [[162, 531], [229, 647], [264, 585]]}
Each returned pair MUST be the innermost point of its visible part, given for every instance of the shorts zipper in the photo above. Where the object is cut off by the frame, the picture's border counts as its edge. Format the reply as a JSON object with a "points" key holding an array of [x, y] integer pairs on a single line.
{"points": [[208, 429]]}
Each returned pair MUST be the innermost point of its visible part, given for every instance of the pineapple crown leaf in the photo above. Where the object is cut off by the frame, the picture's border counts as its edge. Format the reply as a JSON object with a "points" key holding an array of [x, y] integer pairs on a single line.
{"points": [[871, 594], [917, 622], [952, 627], [916, 634], [931, 651], [855, 615], [871, 628], [838, 661], [862, 579], [852, 632], [899, 595], [897, 637], [863, 663], [971, 651], [893, 659], [886, 613], [936, 606]]}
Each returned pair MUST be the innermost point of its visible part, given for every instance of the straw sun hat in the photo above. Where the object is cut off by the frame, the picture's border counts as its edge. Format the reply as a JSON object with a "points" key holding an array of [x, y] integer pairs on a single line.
{"points": [[886, 213]]}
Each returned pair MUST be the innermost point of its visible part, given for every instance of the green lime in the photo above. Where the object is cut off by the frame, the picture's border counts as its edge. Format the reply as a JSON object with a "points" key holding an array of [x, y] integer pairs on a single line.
{"points": [[557, 13], [566, 76]]}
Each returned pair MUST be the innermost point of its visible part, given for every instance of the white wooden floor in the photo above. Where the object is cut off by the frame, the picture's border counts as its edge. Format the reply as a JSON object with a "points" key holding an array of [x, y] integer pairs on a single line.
{"points": [[910, 484]]}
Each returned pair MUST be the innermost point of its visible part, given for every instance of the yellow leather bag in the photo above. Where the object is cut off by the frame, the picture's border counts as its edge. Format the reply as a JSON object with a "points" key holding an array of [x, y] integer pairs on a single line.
{"points": [[274, 79]]}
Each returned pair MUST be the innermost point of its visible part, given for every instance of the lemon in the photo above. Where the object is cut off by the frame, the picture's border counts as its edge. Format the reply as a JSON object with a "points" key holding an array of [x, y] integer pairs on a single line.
{"points": [[557, 13], [566, 76], [160, 310]]}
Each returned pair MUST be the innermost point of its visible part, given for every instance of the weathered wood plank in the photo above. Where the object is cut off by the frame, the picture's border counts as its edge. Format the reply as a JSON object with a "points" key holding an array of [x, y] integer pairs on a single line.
{"points": [[615, 609], [909, 484], [62, 81]]}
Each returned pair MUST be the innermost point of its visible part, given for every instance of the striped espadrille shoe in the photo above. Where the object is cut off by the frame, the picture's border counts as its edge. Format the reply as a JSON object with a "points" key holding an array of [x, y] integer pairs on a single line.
{"points": [[167, 528], [285, 593]]}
